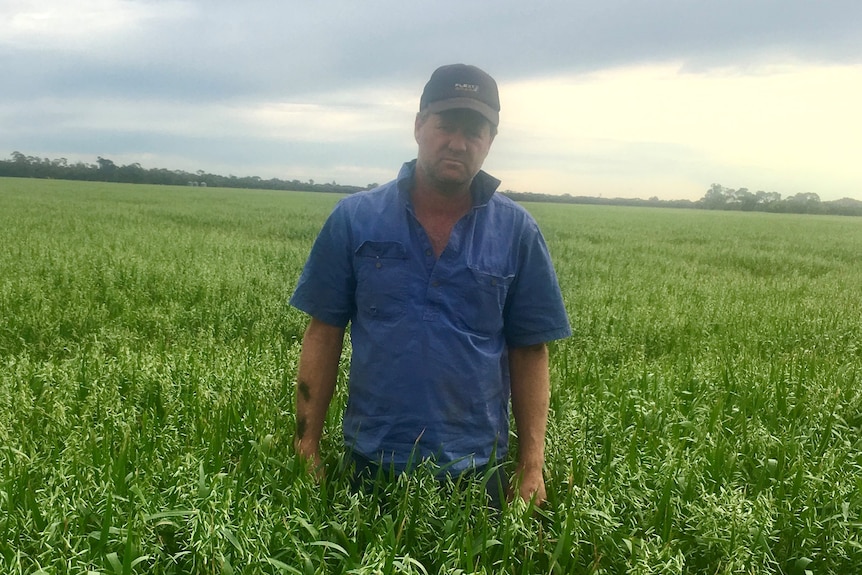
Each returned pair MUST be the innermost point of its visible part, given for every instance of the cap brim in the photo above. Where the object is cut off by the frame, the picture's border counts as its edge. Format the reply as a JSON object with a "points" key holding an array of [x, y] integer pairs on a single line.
{"points": [[490, 113]]}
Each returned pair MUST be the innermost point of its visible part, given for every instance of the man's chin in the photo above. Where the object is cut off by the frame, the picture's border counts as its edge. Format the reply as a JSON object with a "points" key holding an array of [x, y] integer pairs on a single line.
{"points": [[449, 180], [452, 184], [457, 174]]}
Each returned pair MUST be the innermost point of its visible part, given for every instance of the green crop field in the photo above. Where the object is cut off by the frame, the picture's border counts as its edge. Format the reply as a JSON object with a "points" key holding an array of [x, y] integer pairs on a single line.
{"points": [[706, 417]]}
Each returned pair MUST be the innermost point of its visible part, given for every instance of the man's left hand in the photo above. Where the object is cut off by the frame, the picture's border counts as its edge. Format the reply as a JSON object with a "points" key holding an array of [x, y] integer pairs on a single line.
{"points": [[530, 484]]}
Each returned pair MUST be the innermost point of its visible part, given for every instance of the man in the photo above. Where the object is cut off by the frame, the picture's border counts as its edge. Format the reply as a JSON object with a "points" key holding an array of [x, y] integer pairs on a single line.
{"points": [[451, 297]]}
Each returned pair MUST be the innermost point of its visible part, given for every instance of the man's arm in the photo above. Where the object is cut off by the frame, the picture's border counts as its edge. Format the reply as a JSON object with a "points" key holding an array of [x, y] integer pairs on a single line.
{"points": [[317, 374], [531, 384]]}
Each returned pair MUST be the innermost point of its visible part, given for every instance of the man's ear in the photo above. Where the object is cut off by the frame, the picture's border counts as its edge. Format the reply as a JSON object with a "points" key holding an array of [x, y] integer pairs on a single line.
{"points": [[417, 123]]}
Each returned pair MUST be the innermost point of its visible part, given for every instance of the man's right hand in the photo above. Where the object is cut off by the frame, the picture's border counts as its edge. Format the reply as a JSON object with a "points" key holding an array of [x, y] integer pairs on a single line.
{"points": [[310, 459]]}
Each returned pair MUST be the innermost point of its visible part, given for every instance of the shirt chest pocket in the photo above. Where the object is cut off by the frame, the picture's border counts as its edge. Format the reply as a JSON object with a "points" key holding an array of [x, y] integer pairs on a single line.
{"points": [[381, 280], [485, 302]]}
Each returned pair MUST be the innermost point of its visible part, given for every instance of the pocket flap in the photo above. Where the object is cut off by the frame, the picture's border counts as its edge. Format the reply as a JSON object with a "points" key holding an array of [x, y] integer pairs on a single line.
{"points": [[491, 280], [389, 250]]}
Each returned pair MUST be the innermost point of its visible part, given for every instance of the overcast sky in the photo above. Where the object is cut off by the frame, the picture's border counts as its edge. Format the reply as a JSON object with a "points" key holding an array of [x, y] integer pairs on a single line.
{"points": [[612, 98]]}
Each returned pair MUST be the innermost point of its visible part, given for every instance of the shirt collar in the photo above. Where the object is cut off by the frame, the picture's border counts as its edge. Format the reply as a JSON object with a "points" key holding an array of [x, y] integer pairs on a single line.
{"points": [[482, 188]]}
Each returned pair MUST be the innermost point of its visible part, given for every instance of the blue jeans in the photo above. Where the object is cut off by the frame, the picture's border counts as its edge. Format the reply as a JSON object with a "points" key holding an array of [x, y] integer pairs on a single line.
{"points": [[366, 472]]}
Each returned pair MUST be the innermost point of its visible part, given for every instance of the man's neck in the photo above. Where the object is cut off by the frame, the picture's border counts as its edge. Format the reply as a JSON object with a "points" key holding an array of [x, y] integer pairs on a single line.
{"points": [[430, 200], [438, 213]]}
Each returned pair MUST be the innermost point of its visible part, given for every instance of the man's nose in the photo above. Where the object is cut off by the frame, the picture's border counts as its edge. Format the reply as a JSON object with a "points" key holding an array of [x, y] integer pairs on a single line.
{"points": [[457, 141]]}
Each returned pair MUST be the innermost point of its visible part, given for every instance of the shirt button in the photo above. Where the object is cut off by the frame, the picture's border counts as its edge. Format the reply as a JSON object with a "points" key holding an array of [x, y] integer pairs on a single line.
{"points": [[378, 265], [435, 283], [428, 253]]}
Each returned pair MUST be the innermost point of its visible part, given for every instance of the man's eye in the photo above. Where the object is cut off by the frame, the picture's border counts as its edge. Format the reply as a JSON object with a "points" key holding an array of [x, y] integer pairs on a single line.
{"points": [[469, 132]]}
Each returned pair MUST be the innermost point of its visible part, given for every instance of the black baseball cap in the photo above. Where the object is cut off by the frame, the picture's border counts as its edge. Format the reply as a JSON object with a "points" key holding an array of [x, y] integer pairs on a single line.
{"points": [[462, 86]]}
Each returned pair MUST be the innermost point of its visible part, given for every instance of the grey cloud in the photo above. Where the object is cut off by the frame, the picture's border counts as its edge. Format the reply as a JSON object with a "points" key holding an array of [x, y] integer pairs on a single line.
{"points": [[295, 50]]}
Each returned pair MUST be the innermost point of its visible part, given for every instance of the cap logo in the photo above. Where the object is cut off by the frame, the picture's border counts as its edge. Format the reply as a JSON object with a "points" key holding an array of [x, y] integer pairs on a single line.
{"points": [[467, 87]]}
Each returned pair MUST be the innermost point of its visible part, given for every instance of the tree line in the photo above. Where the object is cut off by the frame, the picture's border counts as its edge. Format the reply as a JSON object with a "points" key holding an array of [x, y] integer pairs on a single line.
{"points": [[717, 197], [105, 170]]}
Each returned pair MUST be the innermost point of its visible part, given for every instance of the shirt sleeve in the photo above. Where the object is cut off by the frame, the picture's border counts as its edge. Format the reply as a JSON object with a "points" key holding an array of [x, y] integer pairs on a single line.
{"points": [[534, 311], [327, 284]]}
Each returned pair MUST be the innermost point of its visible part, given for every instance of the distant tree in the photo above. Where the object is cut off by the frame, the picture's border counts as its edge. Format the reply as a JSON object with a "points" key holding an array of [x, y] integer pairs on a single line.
{"points": [[131, 173], [107, 169], [804, 202], [715, 198], [767, 198], [745, 199]]}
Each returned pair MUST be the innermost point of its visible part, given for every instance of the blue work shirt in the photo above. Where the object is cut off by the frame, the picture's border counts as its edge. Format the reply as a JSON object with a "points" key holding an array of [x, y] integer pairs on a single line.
{"points": [[429, 371]]}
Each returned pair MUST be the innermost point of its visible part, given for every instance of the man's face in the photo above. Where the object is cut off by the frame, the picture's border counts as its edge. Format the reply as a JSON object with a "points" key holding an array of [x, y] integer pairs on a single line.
{"points": [[452, 147]]}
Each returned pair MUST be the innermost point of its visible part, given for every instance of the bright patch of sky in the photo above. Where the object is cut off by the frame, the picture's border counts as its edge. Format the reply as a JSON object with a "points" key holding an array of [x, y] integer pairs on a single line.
{"points": [[789, 128]]}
